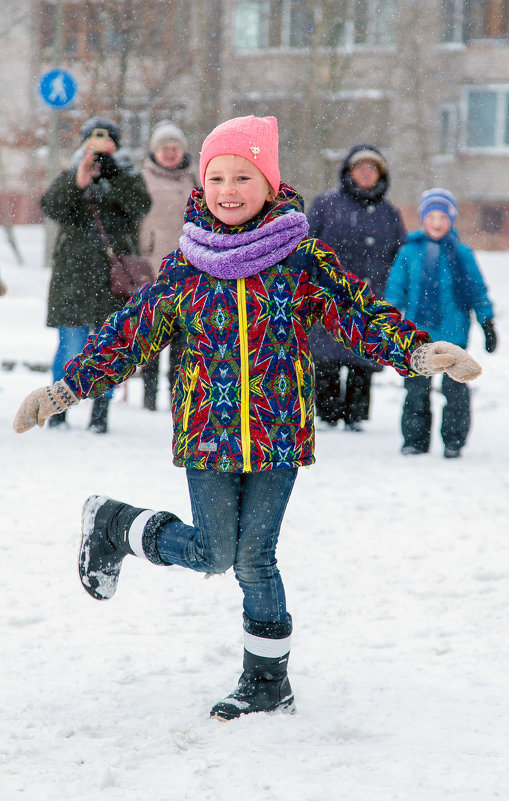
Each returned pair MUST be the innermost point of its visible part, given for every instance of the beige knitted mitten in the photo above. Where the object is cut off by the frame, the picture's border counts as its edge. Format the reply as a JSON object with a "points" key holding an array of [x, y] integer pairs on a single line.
{"points": [[444, 357], [41, 404]]}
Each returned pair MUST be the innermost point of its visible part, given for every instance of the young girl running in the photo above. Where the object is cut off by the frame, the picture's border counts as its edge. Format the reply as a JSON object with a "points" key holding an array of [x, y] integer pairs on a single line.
{"points": [[245, 286]]}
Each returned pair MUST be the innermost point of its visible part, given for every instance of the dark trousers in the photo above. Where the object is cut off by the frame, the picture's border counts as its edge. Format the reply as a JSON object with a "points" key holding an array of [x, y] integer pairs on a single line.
{"points": [[150, 371], [331, 403], [417, 417]]}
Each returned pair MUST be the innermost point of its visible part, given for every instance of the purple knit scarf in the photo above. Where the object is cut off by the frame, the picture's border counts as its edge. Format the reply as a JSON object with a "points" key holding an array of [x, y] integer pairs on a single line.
{"points": [[244, 254]]}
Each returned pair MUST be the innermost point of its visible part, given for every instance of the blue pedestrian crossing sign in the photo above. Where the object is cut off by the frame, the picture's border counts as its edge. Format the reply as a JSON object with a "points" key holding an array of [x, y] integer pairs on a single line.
{"points": [[58, 88]]}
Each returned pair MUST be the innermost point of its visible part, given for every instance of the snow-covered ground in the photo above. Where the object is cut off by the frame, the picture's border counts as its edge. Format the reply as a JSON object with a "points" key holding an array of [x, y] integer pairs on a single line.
{"points": [[397, 576]]}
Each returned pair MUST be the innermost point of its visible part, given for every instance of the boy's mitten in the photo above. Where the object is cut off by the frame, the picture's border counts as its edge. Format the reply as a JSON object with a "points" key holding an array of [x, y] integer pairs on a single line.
{"points": [[490, 335], [41, 404], [444, 357], [109, 167]]}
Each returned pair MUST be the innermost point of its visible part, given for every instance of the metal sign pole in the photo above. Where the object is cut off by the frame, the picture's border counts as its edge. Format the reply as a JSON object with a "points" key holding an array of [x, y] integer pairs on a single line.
{"points": [[50, 228]]}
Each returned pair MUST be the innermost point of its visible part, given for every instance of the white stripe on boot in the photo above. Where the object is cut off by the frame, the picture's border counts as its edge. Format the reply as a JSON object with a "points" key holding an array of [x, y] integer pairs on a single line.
{"points": [[135, 535], [262, 646]]}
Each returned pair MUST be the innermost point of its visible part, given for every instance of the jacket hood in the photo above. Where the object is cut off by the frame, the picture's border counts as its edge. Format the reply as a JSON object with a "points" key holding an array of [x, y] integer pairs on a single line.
{"points": [[346, 184]]}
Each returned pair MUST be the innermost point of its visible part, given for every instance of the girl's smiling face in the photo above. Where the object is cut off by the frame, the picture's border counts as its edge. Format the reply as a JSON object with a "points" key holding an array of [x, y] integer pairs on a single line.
{"points": [[235, 190]]}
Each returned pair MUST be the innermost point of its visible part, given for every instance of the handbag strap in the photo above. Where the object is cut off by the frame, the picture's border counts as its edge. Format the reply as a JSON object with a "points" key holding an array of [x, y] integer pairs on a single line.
{"points": [[102, 230]]}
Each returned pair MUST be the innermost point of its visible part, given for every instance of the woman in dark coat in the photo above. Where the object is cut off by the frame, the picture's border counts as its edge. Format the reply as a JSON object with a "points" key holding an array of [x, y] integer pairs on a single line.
{"points": [[366, 232], [79, 295]]}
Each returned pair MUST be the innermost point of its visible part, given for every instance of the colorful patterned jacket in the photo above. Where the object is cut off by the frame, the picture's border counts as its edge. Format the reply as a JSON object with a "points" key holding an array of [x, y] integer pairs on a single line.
{"points": [[243, 399]]}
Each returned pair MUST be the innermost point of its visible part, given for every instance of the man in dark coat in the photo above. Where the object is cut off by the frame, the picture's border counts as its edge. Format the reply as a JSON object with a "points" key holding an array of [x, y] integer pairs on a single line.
{"points": [[79, 295], [366, 232]]}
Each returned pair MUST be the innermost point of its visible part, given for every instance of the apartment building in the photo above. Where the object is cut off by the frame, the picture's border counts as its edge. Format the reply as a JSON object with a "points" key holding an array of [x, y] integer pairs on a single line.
{"points": [[427, 81]]}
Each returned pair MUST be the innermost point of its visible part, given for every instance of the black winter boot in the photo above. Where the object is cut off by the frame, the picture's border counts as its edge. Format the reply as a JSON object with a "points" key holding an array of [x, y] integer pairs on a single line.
{"points": [[264, 685], [99, 417], [105, 542]]}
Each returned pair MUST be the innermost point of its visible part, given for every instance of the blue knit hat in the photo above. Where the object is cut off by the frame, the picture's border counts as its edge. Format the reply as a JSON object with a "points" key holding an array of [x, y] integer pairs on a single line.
{"points": [[438, 200]]}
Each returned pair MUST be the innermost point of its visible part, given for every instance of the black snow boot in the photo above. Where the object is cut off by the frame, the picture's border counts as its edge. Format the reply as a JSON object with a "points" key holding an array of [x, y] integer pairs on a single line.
{"points": [[105, 542], [263, 686], [99, 417]]}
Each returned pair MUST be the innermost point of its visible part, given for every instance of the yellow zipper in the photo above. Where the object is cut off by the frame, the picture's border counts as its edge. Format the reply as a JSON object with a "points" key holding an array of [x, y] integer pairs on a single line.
{"points": [[300, 384], [244, 375], [187, 406]]}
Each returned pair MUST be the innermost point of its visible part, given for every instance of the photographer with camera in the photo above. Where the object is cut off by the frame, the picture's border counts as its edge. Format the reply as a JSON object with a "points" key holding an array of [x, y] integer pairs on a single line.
{"points": [[101, 178]]}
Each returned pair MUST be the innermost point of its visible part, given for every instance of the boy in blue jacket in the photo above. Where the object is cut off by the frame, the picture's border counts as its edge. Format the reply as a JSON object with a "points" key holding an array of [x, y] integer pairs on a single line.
{"points": [[436, 281]]}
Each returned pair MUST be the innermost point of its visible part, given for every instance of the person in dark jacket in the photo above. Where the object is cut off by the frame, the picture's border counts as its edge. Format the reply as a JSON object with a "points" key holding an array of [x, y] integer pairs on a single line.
{"points": [[436, 281], [366, 232], [79, 295]]}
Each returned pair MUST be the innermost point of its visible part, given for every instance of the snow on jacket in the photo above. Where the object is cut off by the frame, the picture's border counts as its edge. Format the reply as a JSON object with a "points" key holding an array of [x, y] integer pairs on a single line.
{"points": [[162, 226], [365, 231], [243, 399], [403, 288], [79, 293]]}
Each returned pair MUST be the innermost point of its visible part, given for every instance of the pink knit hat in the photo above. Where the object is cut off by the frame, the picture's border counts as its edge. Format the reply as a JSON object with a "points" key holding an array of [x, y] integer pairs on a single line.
{"points": [[254, 138]]}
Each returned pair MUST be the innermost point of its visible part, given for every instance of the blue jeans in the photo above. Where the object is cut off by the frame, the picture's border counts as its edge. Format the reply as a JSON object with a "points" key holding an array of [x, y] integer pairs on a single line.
{"points": [[236, 522], [71, 341]]}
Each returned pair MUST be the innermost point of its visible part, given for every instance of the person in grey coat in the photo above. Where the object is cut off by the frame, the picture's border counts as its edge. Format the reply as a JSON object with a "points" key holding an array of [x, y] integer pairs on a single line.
{"points": [[170, 178], [80, 298], [366, 232]]}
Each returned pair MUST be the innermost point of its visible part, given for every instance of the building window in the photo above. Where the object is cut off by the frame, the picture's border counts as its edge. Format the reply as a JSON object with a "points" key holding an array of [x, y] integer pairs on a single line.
{"points": [[262, 24], [465, 20], [92, 27], [93, 22], [301, 24], [487, 117], [374, 23]]}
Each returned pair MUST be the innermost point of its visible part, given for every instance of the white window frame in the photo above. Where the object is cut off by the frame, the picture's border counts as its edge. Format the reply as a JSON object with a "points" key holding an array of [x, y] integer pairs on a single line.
{"points": [[457, 36], [347, 45], [370, 42], [264, 28], [501, 90]]}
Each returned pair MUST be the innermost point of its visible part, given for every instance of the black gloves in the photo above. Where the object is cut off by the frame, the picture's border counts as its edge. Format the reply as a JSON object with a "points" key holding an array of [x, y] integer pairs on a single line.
{"points": [[109, 167], [491, 337]]}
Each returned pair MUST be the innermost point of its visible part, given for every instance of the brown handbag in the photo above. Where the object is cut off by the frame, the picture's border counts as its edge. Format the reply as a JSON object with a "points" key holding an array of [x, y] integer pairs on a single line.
{"points": [[128, 271]]}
